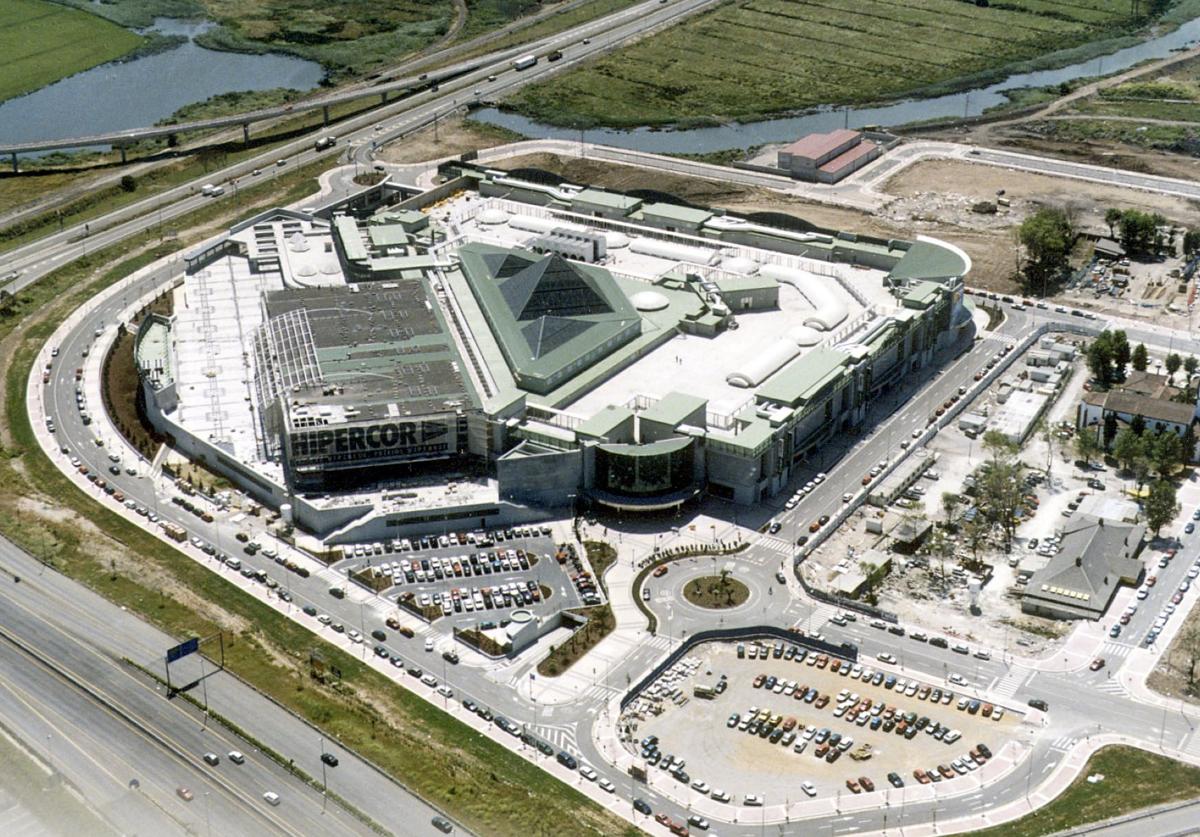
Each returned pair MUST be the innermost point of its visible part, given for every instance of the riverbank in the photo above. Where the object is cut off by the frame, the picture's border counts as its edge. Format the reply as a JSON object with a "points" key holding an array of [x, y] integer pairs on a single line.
{"points": [[721, 65], [43, 42]]}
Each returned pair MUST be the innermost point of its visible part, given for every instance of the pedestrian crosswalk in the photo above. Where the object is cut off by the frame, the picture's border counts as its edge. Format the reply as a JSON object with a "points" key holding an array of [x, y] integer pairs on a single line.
{"points": [[559, 737], [1115, 649], [1192, 745], [1110, 687], [774, 544], [1064, 743], [1013, 680]]}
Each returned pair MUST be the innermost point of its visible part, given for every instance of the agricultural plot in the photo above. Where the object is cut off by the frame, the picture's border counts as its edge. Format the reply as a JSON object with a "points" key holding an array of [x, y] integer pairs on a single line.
{"points": [[750, 59], [42, 42]]}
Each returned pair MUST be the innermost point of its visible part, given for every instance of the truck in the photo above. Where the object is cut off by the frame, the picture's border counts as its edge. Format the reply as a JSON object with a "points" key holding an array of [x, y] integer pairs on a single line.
{"points": [[703, 690], [524, 62], [325, 142], [174, 531], [555, 55], [211, 191], [637, 770]]}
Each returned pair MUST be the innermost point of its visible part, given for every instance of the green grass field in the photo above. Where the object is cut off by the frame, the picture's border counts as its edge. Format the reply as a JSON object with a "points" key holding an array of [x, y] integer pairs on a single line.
{"points": [[42, 42], [1133, 779], [752, 58]]}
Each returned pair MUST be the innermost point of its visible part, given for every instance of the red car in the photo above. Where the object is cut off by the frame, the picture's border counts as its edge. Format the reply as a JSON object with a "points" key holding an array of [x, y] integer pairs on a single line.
{"points": [[660, 571]]}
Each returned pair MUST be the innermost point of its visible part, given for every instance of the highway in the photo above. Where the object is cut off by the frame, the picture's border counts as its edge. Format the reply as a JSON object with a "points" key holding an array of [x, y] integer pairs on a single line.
{"points": [[89, 636]]}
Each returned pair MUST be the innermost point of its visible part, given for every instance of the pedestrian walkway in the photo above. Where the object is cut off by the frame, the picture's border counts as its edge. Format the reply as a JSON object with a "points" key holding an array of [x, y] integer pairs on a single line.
{"points": [[774, 544], [1117, 650], [1011, 682], [1064, 743]]}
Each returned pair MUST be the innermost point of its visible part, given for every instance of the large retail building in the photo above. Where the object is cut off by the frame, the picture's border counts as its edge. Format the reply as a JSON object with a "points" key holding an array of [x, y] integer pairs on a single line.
{"points": [[498, 348]]}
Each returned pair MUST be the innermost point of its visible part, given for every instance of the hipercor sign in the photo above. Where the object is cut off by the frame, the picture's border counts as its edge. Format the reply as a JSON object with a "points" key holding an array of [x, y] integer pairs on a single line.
{"points": [[418, 439]]}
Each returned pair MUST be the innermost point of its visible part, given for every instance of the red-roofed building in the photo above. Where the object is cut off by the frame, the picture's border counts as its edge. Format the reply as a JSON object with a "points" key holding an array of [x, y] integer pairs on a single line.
{"points": [[827, 158]]}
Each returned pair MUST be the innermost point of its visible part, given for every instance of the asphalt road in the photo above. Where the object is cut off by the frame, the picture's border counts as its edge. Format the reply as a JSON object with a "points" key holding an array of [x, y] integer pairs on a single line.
{"points": [[89, 635]]}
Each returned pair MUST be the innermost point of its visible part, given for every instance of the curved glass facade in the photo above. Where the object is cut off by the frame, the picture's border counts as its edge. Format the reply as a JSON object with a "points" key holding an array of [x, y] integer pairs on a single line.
{"points": [[645, 470]]}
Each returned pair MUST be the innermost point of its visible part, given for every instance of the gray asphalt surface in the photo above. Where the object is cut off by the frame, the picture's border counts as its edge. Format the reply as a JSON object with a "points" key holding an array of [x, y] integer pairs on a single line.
{"points": [[89, 635]]}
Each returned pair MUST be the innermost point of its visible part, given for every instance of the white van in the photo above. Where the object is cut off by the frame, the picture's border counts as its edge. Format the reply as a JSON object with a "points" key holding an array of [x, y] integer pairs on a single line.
{"points": [[271, 798]]}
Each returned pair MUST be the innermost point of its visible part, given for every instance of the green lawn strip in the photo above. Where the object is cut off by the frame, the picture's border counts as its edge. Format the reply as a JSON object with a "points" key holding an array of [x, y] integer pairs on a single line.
{"points": [[487, 787], [723, 63], [601, 555], [42, 42], [1140, 109], [1133, 779]]}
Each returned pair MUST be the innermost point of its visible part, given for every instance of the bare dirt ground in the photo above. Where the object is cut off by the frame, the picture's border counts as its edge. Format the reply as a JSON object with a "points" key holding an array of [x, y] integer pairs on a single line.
{"points": [[1170, 676], [453, 137], [943, 191]]}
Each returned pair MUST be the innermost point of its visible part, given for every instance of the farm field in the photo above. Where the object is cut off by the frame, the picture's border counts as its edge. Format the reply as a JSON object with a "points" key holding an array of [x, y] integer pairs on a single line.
{"points": [[750, 59], [43, 42]]}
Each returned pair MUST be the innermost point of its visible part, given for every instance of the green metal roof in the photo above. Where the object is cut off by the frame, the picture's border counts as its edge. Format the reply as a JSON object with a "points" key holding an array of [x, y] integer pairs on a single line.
{"points": [[348, 233], [672, 212], [673, 408], [550, 316], [804, 378], [750, 437], [612, 200], [387, 235], [604, 422], [922, 294], [650, 449], [927, 260]]}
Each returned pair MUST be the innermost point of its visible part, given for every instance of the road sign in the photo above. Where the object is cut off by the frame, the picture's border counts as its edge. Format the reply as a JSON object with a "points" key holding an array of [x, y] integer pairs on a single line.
{"points": [[190, 646]]}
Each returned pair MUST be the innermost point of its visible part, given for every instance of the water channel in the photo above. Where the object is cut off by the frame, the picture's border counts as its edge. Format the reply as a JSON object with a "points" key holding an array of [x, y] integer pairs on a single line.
{"points": [[140, 92], [785, 129]]}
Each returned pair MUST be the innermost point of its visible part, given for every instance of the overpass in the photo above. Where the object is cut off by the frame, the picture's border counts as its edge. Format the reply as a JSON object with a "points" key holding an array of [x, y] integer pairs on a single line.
{"points": [[121, 139]]}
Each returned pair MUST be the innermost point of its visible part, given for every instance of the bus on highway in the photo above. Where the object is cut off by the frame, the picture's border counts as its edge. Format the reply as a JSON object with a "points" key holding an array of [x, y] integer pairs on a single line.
{"points": [[524, 62]]}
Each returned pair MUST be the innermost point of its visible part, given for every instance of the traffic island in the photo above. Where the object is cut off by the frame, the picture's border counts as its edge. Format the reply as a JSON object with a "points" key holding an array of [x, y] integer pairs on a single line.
{"points": [[716, 592]]}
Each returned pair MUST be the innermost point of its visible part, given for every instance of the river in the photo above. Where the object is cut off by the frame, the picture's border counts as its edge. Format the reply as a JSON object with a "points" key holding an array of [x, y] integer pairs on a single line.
{"points": [[785, 129], [140, 92]]}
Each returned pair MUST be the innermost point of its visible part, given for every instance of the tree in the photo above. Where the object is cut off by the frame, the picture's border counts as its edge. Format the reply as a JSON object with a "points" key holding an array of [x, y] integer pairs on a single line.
{"points": [[998, 446], [1174, 361], [1051, 440], [1160, 505], [976, 532], [1191, 243], [1110, 429], [1139, 231], [1099, 361], [1140, 358], [1112, 217], [1046, 238], [1087, 446], [1166, 453], [1122, 354], [950, 502], [1190, 365], [128, 183], [1189, 645], [1127, 447]]}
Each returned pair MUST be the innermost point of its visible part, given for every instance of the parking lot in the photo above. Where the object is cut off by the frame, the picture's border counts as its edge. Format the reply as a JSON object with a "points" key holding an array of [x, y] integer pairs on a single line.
{"points": [[735, 761], [470, 578]]}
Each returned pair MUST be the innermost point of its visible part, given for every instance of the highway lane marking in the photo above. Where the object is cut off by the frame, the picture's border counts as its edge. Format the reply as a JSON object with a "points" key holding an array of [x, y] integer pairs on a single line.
{"points": [[183, 753]]}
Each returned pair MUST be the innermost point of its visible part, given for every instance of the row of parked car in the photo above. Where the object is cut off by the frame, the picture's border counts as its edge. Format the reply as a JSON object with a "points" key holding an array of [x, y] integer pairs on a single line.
{"points": [[425, 570], [450, 539], [973, 760], [581, 576], [471, 599]]}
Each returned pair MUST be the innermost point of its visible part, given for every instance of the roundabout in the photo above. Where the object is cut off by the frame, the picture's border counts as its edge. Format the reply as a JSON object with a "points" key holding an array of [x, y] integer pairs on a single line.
{"points": [[716, 592]]}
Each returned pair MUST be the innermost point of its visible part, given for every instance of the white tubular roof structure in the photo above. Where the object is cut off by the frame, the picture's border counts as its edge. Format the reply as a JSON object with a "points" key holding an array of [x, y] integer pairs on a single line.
{"points": [[675, 252], [819, 291]]}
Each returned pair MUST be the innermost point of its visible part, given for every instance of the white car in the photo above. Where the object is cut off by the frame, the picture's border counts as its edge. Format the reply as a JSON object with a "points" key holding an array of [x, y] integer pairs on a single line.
{"points": [[429, 643], [957, 679], [719, 795], [354, 635], [752, 799], [808, 788], [702, 787], [588, 773], [886, 658], [607, 786]]}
